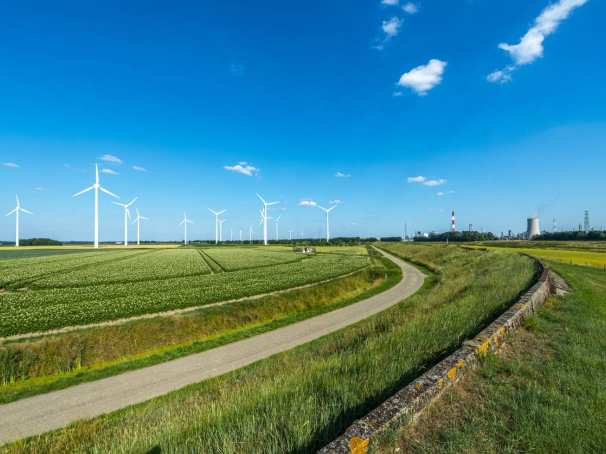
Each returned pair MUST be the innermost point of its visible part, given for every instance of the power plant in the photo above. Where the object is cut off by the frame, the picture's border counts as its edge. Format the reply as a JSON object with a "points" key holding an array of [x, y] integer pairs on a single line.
{"points": [[534, 228]]}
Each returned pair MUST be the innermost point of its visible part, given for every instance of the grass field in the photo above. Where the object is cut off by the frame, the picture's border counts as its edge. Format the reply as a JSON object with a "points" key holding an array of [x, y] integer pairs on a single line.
{"points": [[568, 253], [58, 289], [300, 400], [545, 393]]}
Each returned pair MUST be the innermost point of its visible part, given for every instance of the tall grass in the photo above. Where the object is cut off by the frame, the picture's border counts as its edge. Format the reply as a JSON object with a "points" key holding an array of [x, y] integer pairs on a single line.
{"points": [[300, 400], [545, 394]]}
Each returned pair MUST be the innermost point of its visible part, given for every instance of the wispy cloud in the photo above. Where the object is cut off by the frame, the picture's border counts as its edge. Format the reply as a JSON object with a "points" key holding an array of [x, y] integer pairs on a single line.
{"points": [[427, 181], [39, 189], [139, 169], [444, 193], [10, 165], [342, 175], [391, 27], [244, 168], [390, 2], [237, 69], [336, 202], [410, 8], [110, 158], [308, 203], [109, 171], [424, 77], [530, 46]]}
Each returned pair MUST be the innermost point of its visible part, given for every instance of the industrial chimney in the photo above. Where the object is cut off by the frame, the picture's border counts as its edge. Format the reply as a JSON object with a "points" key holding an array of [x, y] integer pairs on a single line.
{"points": [[534, 228], [453, 222]]}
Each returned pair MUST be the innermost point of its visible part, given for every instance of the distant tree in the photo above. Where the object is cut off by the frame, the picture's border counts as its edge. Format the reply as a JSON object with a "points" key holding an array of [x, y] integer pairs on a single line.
{"points": [[40, 242], [457, 237], [594, 235]]}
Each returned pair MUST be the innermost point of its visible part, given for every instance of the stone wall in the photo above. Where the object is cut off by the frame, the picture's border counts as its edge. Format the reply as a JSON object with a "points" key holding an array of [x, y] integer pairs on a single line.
{"points": [[408, 403]]}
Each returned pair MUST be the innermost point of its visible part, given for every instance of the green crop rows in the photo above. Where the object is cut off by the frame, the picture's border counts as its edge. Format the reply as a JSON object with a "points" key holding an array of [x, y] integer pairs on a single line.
{"points": [[54, 291]]}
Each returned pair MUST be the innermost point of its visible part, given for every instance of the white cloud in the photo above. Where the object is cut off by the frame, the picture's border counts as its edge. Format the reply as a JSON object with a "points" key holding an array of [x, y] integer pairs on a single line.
{"points": [[111, 159], [530, 46], [427, 181], [443, 193], [244, 168], [410, 8], [390, 2], [10, 165], [109, 171], [501, 76], [391, 27], [397, 94], [139, 169], [425, 77], [308, 203], [39, 189], [342, 175]]}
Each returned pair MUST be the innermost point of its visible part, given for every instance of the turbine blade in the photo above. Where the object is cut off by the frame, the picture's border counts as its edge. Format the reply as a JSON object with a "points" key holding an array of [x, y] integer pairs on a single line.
{"points": [[119, 204], [12, 212], [83, 191], [108, 193], [17, 198], [144, 218], [26, 211], [262, 199], [132, 201], [97, 173], [272, 203]]}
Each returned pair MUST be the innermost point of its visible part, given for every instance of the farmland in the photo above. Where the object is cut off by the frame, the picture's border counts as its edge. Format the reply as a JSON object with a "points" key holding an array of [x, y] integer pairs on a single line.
{"points": [[55, 290], [329, 382]]}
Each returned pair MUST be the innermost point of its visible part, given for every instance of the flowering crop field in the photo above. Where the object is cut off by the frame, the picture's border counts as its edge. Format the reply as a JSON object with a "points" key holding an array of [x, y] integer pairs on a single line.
{"points": [[55, 291], [232, 259]]}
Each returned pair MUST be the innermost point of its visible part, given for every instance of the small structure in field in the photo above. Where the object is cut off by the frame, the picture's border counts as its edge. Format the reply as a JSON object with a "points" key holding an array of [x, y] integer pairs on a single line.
{"points": [[308, 250]]}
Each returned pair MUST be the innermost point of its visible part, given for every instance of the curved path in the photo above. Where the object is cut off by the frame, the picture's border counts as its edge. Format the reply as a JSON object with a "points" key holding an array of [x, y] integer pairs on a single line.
{"points": [[46, 412]]}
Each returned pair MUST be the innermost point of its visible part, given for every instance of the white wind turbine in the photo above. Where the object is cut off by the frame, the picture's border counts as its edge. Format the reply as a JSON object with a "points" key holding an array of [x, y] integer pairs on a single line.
{"points": [[137, 221], [221, 222], [126, 207], [96, 187], [217, 214], [17, 212], [184, 223], [277, 221], [264, 216], [327, 211]]}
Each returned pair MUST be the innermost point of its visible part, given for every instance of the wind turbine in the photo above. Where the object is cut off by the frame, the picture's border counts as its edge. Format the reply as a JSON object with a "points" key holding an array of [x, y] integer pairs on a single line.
{"points": [[17, 212], [277, 221], [221, 222], [137, 221], [217, 214], [250, 234], [126, 207], [327, 211], [184, 223], [96, 187], [264, 216]]}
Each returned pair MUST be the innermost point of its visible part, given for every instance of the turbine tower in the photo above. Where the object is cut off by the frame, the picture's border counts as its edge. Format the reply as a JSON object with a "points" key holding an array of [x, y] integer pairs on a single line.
{"points": [[264, 216], [221, 222], [277, 221], [184, 223], [126, 207], [96, 187], [217, 214], [327, 211], [17, 212], [137, 221]]}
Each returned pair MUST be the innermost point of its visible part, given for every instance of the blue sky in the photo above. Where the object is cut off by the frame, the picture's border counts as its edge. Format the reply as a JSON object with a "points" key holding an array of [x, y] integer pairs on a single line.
{"points": [[499, 106]]}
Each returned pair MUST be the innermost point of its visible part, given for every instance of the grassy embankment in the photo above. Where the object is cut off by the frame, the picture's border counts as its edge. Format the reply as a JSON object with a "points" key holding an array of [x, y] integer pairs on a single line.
{"points": [[545, 393], [53, 362], [299, 400]]}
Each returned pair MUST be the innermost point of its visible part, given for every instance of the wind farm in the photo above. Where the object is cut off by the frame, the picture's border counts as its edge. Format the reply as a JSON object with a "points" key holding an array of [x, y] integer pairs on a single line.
{"points": [[292, 227]]}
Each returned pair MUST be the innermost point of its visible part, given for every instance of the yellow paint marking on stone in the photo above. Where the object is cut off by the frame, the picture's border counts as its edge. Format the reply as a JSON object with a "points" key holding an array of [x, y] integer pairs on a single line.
{"points": [[461, 364], [358, 445], [452, 374], [440, 383], [483, 348], [501, 332]]}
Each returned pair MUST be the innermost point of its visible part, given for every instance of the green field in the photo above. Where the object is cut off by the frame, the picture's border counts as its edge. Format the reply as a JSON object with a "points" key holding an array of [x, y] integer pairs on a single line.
{"points": [[53, 289], [543, 393], [572, 253], [299, 400]]}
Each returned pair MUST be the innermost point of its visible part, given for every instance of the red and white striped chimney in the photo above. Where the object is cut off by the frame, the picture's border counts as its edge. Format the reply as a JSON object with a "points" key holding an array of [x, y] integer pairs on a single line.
{"points": [[453, 226]]}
